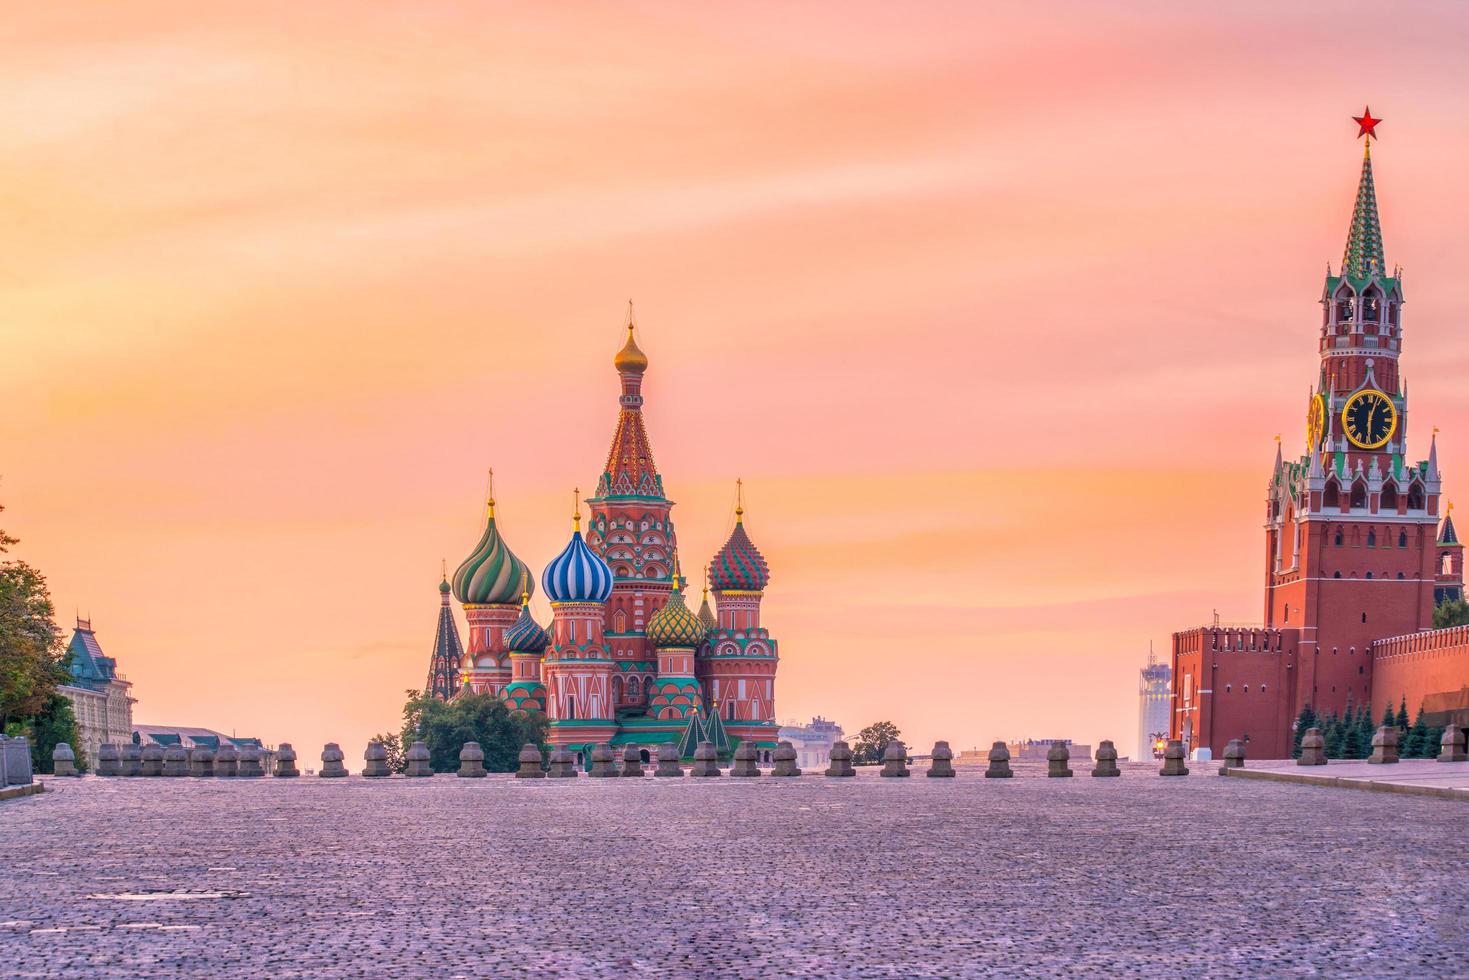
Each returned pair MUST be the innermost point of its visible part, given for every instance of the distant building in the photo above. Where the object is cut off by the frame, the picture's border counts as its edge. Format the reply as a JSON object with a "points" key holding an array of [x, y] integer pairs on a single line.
{"points": [[1155, 693], [192, 738], [1035, 749], [100, 697], [812, 742]]}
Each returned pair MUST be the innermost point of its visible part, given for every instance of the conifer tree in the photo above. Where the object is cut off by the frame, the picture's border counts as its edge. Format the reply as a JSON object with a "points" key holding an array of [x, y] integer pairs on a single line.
{"points": [[1416, 747], [1333, 736], [1351, 743], [1433, 743], [1387, 719], [1401, 721], [1364, 723]]}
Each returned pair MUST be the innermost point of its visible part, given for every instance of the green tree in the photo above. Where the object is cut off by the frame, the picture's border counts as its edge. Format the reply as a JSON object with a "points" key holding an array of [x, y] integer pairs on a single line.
{"points": [[32, 663], [444, 726], [1401, 721], [1351, 742], [872, 740], [1335, 736], [1451, 612], [1306, 719], [53, 724], [1364, 724], [1415, 744]]}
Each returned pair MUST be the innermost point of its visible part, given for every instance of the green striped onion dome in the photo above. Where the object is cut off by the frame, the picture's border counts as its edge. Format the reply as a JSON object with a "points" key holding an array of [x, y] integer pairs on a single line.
{"points": [[525, 634], [492, 574], [739, 566], [675, 625]]}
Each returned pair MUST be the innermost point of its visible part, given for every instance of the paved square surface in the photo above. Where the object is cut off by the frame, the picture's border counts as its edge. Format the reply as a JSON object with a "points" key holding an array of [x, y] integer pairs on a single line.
{"points": [[858, 877]]}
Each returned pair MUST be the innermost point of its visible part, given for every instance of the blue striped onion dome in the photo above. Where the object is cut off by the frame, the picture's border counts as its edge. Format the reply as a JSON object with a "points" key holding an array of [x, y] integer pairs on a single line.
{"points": [[492, 574], [675, 625], [578, 574], [525, 634], [739, 566]]}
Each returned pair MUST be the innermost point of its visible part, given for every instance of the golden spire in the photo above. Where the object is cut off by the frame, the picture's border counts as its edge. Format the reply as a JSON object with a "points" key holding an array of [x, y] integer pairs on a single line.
{"points": [[739, 501], [631, 359], [490, 495], [576, 517], [524, 592]]}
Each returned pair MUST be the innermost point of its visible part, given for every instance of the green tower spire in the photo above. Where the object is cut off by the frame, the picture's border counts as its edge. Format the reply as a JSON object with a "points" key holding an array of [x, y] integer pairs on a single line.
{"points": [[1363, 255]]}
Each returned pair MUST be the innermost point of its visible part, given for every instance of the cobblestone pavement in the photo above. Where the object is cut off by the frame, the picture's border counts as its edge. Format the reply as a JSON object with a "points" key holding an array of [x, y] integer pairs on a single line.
{"points": [[860, 877]]}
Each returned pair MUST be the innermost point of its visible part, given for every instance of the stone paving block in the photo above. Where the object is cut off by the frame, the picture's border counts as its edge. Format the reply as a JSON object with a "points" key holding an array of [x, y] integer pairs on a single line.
{"points": [[250, 765], [151, 761], [1451, 747], [841, 760], [285, 761], [333, 762], [746, 760], [1106, 760], [1384, 746], [895, 760], [668, 762], [472, 761], [1313, 748], [530, 762], [201, 762], [175, 761], [1058, 761], [375, 761], [785, 761], [63, 760], [999, 759], [1173, 759], [706, 761], [603, 761], [419, 761], [109, 760]]}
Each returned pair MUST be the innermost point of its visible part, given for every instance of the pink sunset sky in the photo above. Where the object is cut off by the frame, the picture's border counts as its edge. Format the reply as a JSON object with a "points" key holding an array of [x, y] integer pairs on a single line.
{"points": [[996, 312]]}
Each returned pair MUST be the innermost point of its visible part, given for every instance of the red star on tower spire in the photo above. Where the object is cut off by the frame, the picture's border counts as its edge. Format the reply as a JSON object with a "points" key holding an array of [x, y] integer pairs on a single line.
{"points": [[1366, 125]]}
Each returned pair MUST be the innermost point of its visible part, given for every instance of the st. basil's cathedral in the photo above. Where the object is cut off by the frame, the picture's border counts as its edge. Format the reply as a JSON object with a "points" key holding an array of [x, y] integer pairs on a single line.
{"points": [[1359, 546], [624, 659]]}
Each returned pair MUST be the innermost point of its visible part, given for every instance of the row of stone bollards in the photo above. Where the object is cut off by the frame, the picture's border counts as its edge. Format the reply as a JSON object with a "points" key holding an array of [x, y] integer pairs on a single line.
{"points": [[1451, 747], [227, 761]]}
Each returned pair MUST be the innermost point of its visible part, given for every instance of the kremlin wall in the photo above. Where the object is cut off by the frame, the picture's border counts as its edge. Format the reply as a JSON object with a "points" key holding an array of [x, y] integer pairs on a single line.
{"points": [[1359, 545], [624, 659]]}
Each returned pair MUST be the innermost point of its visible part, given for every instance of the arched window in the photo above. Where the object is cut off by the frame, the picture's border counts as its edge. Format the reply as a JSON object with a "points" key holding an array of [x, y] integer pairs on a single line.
{"points": [[1336, 574], [1364, 614], [570, 706], [616, 689], [1392, 313], [1415, 496], [1389, 497], [1331, 497], [1359, 494], [729, 710], [1228, 688], [1372, 305], [1369, 574], [1372, 539], [619, 622], [634, 687], [1262, 688], [1344, 311], [1337, 541], [1448, 565], [1402, 539]]}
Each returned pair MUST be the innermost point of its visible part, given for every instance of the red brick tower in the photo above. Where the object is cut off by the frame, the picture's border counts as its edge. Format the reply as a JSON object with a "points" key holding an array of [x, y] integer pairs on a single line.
{"points": [[631, 530], [1449, 583], [740, 658], [1350, 552]]}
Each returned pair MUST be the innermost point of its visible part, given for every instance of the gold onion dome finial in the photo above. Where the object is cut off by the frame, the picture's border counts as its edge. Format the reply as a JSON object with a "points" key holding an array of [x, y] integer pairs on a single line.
{"points": [[631, 359]]}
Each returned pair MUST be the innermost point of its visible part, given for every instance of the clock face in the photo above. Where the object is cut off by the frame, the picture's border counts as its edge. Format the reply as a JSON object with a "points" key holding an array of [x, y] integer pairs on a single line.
{"points": [[1369, 419], [1315, 422]]}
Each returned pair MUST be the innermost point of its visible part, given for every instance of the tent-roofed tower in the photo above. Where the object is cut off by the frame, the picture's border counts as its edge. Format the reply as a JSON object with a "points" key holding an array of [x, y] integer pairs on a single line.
{"points": [[631, 529], [447, 658]]}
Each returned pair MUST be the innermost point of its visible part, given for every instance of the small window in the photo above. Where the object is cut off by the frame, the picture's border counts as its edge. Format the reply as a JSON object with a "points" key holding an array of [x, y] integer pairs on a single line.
{"points": [[1247, 689], [1369, 575], [1228, 688], [1402, 539], [1262, 688], [1336, 574], [1337, 542], [1364, 612], [1372, 539]]}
